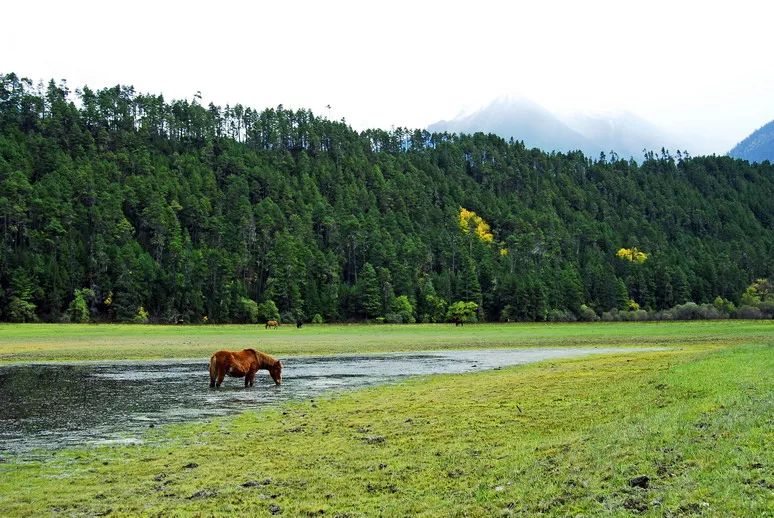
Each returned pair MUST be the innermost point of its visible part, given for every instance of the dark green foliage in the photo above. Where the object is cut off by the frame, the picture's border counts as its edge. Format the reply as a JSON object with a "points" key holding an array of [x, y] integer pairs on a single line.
{"points": [[177, 212], [20, 308], [462, 311], [369, 293], [401, 311], [267, 311], [430, 308], [247, 311], [78, 310]]}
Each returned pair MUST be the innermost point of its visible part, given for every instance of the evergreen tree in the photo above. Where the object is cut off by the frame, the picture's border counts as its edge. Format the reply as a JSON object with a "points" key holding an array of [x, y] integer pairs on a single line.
{"points": [[368, 292]]}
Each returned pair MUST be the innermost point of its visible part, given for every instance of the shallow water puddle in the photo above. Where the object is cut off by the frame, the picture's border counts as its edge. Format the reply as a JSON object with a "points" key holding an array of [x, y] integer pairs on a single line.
{"points": [[55, 405]]}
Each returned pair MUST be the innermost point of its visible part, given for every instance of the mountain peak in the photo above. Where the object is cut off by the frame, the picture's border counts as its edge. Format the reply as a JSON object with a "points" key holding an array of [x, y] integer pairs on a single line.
{"points": [[758, 146], [518, 117], [513, 115]]}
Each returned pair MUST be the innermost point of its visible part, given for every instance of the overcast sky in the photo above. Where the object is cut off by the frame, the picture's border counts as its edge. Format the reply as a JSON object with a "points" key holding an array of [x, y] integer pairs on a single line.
{"points": [[699, 68]]}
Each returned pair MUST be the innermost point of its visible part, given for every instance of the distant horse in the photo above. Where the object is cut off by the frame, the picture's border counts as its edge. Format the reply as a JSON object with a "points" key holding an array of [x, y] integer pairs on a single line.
{"points": [[299, 324], [458, 322], [243, 364], [272, 323]]}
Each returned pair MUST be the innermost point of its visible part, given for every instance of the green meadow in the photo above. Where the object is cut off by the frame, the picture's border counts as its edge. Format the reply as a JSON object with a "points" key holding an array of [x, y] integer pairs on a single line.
{"points": [[72, 342], [685, 430]]}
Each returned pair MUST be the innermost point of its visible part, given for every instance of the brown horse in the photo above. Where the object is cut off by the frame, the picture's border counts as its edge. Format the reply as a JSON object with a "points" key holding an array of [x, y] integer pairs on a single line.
{"points": [[243, 364], [272, 323]]}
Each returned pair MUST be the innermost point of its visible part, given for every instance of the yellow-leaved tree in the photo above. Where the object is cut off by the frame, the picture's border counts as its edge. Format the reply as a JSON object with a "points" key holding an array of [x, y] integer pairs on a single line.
{"points": [[632, 255], [469, 220]]}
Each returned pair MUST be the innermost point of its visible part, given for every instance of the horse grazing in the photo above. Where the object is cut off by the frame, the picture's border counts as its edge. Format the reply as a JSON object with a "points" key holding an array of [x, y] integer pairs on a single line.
{"points": [[272, 323], [243, 364]]}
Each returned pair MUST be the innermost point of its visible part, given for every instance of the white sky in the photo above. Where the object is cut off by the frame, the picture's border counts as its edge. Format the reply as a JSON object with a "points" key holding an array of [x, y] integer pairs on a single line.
{"points": [[699, 68]]}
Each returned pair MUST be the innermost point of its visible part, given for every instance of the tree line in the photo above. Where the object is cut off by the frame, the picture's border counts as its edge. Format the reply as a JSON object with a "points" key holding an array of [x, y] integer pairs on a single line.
{"points": [[122, 206]]}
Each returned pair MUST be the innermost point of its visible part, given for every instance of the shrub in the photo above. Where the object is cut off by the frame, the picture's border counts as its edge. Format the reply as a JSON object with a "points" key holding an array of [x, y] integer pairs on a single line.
{"points": [[560, 315], [317, 319], [247, 311], [268, 311], [20, 310], [462, 311], [748, 312], [693, 311], [610, 316], [141, 317], [78, 310], [638, 315], [402, 311], [762, 290], [767, 308], [724, 305], [436, 309], [587, 314]]}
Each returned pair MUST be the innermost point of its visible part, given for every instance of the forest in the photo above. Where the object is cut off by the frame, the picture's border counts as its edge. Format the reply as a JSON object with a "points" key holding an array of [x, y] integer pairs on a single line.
{"points": [[122, 206]]}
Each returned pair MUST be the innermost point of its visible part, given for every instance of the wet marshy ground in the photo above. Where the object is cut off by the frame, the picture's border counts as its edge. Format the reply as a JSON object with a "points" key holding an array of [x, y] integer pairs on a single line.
{"points": [[57, 405]]}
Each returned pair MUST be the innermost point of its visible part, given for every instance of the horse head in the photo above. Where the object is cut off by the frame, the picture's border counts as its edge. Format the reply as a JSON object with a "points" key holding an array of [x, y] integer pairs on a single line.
{"points": [[276, 372]]}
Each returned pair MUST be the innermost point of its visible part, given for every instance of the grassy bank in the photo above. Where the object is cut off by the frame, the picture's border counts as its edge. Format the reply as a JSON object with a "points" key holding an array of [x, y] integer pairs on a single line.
{"points": [[560, 438], [62, 342]]}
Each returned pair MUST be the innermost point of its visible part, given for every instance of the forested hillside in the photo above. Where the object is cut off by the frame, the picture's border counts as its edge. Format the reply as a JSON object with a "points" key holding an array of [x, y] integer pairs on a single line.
{"points": [[141, 208]]}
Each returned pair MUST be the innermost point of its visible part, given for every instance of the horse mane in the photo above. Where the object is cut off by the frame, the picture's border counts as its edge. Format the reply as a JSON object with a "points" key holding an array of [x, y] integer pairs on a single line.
{"points": [[266, 358]]}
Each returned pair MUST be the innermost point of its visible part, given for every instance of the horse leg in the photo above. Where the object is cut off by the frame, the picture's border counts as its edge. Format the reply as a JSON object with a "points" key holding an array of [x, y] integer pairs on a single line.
{"points": [[221, 375]]}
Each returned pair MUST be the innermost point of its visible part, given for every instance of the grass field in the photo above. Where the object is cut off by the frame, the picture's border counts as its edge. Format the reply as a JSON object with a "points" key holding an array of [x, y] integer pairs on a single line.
{"points": [[67, 342], [561, 438]]}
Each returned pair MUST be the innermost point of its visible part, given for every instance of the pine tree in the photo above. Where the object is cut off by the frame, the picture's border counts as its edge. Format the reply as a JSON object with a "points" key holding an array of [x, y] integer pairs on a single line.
{"points": [[368, 292]]}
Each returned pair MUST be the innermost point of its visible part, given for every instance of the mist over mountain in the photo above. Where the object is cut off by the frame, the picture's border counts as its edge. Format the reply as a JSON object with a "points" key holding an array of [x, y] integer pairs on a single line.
{"points": [[757, 147], [520, 118]]}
